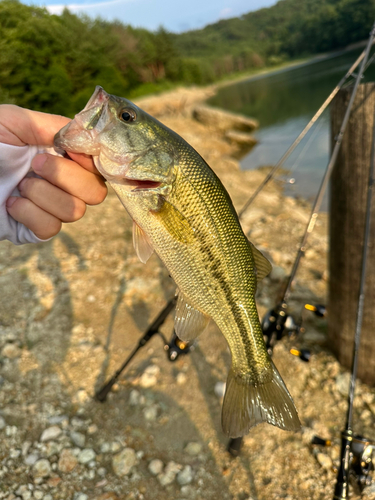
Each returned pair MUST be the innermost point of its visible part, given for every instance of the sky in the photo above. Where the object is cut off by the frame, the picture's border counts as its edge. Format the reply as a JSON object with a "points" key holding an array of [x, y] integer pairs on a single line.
{"points": [[174, 15]]}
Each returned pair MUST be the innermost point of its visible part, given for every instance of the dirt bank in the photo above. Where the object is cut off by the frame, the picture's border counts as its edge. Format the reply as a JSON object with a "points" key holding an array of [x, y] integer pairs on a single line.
{"points": [[72, 310]]}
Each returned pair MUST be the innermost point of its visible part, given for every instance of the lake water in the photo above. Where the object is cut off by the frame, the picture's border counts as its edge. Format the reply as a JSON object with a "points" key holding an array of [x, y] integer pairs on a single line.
{"points": [[284, 101]]}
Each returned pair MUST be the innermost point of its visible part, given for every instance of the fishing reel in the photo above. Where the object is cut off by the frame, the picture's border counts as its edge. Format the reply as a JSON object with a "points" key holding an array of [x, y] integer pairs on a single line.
{"points": [[274, 325], [356, 463], [277, 323], [177, 347], [361, 461]]}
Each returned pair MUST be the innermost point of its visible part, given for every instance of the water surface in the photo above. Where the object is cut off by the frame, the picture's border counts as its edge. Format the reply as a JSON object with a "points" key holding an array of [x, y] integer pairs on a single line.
{"points": [[284, 101]]}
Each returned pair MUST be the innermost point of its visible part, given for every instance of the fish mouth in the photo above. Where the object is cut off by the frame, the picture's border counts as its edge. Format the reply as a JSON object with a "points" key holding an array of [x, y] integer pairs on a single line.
{"points": [[136, 185], [142, 185], [80, 135]]}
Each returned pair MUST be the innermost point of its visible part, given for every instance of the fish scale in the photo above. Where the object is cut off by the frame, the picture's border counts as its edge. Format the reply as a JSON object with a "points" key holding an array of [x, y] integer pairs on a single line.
{"points": [[182, 211]]}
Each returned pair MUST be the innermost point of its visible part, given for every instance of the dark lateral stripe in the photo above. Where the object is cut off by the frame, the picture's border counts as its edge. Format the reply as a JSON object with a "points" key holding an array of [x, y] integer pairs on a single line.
{"points": [[215, 265]]}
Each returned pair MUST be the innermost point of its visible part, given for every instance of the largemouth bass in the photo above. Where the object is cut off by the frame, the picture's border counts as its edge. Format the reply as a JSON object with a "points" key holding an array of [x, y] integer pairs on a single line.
{"points": [[181, 210]]}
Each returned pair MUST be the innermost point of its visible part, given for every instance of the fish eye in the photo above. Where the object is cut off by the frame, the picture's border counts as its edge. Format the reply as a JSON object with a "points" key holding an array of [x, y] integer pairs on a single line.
{"points": [[128, 115]]}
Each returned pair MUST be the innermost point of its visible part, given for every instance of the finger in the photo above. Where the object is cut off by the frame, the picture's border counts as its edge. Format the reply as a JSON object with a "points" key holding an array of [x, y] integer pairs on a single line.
{"points": [[43, 224], [52, 199], [68, 176], [20, 126], [85, 161]]}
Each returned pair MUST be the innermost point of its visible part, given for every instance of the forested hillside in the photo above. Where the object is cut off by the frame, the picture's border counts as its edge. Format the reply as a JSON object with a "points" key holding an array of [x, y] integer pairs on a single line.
{"points": [[289, 29], [53, 63]]}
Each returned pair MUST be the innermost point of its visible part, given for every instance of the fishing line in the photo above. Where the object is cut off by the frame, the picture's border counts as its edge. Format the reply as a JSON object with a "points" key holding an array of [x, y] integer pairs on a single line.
{"points": [[304, 131], [327, 174], [342, 482], [274, 322], [304, 149], [369, 62]]}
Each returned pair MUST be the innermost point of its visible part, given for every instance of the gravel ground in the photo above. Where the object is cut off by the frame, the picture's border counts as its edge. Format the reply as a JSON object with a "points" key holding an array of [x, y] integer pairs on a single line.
{"points": [[73, 308]]}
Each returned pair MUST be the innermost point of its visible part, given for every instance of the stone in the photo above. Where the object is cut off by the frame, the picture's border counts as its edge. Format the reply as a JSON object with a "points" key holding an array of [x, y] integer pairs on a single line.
{"points": [[92, 429], [185, 476], [26, 445], [2, 423], [53, 482], [150, 412], [31, 459], [181, 378], [188, 491], [105, 448], [58, 419], [243, 139], [102, 471], [324, 460], [80, 496], [24, 492], [38, 495], [155, 466], [11, 351], [219, 389], [78, 439], [42, 468], [277, 273], [124, 461], [67, 461], [115, 447], [149, 377], [86, 455], [169, 474], [51, 433], [223, 120], [134, 398], [193, 448], [342, 383], [82, 397], [52, 448], [14, 453]]}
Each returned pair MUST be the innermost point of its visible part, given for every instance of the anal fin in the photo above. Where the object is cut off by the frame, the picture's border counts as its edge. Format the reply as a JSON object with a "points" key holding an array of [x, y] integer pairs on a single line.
{"points": [[248, 403], [141, 243], [188, 322]]}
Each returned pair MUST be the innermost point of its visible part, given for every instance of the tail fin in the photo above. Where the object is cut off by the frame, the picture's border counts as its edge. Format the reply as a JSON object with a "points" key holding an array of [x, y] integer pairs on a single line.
{"points": [[248, 403]]}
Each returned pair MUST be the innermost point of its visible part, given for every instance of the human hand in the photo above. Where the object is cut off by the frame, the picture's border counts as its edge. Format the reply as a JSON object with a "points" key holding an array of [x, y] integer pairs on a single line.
{"points": [[67, 185]]}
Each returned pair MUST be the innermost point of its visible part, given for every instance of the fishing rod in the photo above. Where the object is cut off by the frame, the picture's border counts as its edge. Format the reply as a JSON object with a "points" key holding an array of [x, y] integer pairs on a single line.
{"points": [[275, 321], [278, 316], [353, 447], [291, 148], [175, 347]]}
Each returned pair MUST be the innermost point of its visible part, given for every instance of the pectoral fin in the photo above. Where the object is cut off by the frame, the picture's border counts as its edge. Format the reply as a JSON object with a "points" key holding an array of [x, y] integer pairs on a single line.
{"points": [[188, 322], [141, 243], [175, 223], [263, 265]]}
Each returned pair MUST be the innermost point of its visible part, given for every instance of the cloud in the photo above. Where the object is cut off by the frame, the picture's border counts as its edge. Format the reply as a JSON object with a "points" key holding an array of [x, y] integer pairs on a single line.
{"points": [[57, 9]]}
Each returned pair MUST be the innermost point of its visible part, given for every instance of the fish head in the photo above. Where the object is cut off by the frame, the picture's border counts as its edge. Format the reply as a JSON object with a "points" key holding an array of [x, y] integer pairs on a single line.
{"points": [[130, 148]]}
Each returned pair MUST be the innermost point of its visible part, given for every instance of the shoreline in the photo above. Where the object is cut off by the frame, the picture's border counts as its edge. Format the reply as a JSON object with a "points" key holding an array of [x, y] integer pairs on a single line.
{"points": [[298, 63]]}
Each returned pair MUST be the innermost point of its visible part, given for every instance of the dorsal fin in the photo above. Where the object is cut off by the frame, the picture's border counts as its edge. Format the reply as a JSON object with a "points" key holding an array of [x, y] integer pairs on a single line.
{"points": [[263, 265], [141, 243], [188, 322]]}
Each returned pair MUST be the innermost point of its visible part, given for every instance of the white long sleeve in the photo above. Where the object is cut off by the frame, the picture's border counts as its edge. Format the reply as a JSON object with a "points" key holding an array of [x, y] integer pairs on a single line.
{"points": [[15, 163]]}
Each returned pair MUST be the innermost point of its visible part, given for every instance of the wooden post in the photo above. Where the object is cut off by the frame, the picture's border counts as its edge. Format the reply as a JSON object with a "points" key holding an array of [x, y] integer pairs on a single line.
{"points": [[348, 196]]}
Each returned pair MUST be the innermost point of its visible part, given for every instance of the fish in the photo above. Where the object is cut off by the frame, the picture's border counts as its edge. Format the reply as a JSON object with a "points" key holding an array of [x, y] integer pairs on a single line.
{"points": [[181, 210]]}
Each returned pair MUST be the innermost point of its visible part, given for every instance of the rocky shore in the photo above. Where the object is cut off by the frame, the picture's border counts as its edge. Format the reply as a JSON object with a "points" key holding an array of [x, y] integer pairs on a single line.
{"points": [[73, 309]]}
